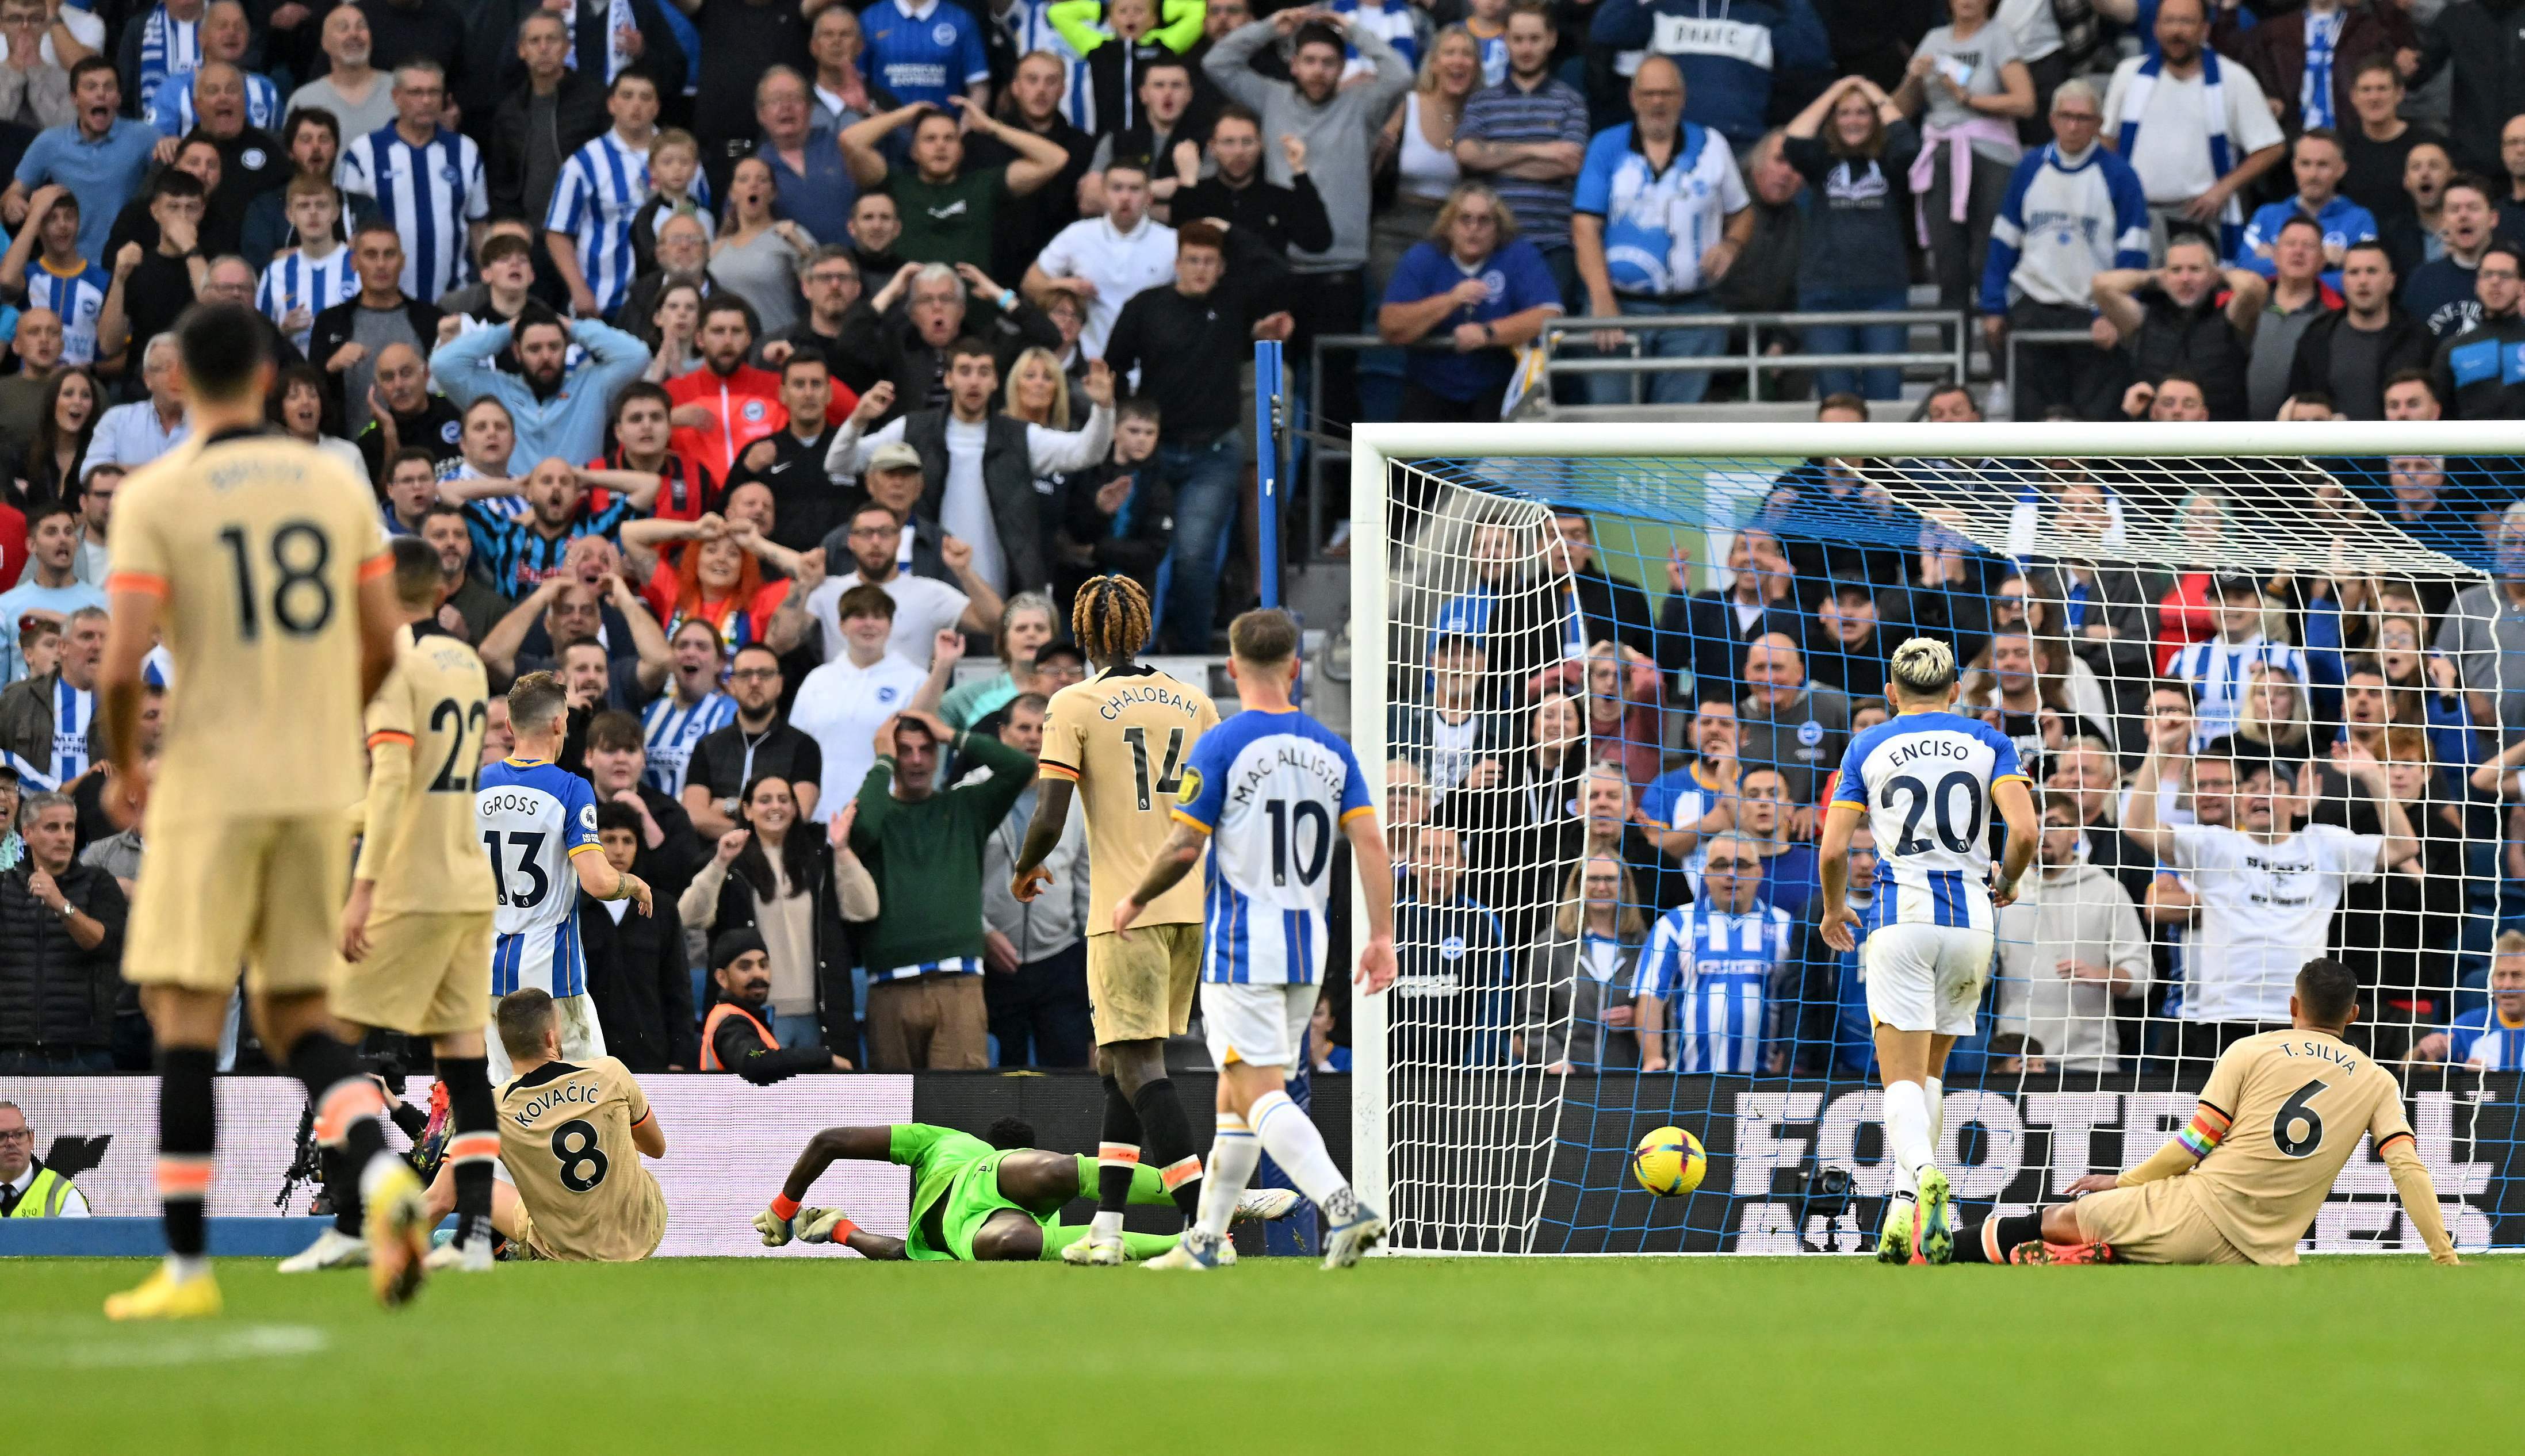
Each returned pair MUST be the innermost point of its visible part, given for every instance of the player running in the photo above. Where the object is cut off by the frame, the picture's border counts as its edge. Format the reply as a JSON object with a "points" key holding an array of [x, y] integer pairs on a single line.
{"points": [[572, 1136], [2240, 1186], [263, 560], [971, 1199], [1120, 738], [1927, 781], [415, 938], [1273, 783], [538, 822]]}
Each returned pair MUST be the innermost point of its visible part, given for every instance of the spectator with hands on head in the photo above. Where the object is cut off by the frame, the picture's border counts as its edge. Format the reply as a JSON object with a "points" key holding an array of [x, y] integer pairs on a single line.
{"points": [[931, 189]]}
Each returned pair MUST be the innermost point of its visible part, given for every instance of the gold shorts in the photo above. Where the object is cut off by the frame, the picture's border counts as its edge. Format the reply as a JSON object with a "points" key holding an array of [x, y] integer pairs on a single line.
{"points": [[425, 974], [1141, 989], [531, 1242], [263, 894], [2155, 1222]]}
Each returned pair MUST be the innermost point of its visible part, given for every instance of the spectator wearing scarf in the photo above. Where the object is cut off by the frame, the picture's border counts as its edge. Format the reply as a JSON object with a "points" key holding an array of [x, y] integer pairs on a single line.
{"points": [[2161, 108]]}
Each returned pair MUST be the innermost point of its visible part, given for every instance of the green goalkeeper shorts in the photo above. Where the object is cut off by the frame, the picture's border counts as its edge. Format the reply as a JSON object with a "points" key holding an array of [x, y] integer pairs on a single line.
{"points": [[955, 1190]]}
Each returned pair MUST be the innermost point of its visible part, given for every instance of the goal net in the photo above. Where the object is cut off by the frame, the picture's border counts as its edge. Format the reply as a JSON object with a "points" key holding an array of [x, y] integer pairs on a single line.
{"points": [[1609, 674]]}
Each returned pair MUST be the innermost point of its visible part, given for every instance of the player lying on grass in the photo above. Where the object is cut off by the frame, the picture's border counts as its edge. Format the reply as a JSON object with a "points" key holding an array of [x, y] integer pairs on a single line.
{"points": [[2240, 1186], [572, 1137], [971, 1199]]}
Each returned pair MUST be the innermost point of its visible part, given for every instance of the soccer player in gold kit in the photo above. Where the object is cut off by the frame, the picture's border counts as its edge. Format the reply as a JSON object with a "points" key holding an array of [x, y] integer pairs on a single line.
{"points": [[263, 561], [1121, 740], [2279, 1117], [416, 937]]}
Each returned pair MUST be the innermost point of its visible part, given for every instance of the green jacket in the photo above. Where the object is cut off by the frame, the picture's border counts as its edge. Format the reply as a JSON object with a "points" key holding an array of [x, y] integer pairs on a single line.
{"points": [[927, 858]]}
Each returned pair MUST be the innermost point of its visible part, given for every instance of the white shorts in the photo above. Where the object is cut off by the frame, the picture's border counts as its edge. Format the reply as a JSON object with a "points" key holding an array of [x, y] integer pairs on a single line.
{"points": [[581, 1037], [1926, 977], [1262, 1026]]}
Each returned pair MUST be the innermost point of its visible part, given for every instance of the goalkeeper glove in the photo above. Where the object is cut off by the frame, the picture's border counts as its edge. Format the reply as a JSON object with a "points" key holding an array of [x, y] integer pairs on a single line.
{"points": [[825, 1226], [775, 1230]]}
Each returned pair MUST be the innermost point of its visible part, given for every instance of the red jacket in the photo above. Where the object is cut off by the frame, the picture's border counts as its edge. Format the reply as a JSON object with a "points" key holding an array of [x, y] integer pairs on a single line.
{"points": [[745, 407]]}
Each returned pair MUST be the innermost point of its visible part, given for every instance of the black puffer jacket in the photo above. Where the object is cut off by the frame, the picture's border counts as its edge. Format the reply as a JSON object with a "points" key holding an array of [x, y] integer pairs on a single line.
{"points": [[51, 993]]}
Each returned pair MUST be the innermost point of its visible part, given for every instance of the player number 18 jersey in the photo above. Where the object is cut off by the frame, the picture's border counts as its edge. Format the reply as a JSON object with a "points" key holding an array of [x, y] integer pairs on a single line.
{"points": [[1274, 791], [1924, 782]]}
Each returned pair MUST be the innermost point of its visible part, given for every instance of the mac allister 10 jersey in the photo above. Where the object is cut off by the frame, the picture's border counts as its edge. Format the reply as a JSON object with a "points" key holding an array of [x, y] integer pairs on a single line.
{"points": [[534, 816], [1273, 790], [1924, 782]]}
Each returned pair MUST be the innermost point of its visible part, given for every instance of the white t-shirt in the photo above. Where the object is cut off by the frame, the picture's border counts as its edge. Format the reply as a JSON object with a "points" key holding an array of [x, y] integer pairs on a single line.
{"points": [[840, 705], [966, 511], [1120, 263], [2172, 153], [2266, 911], [923, 607], [2036, 28]]}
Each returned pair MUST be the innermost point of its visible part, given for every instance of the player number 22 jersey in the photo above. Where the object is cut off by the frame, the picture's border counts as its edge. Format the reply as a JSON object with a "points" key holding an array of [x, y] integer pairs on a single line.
{"points": [[1924, 782], [1273, 790]]}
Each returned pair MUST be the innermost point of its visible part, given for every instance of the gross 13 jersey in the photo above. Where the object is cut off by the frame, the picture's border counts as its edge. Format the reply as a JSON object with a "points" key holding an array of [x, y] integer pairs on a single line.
{"points": [[1924, 781], [533, 817], [1123, 737], [1273, 790], [255, 546], [426, 740]]}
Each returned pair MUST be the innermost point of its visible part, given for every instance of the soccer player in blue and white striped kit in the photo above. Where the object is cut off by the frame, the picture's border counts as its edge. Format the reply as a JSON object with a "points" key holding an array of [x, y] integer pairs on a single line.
{"points": [[1925, 781], [1716, 961], [538, 823], [1273, 783]]}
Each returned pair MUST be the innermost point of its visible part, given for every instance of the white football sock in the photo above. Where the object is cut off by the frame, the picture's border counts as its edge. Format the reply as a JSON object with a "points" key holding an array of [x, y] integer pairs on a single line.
{"points": [[1299, 1148], [1232, 1161], [1906, 1133], [1934, 1093]]}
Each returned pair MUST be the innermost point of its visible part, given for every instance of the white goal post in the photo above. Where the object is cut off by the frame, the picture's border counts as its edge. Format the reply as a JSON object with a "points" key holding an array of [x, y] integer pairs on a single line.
{"points": [[1481, 1146]]}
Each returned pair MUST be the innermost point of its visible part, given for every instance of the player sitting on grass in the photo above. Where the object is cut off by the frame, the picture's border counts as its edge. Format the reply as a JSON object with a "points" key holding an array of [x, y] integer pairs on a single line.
{"points": [[972, 1200], [571, 1138], [2240, 1186]]}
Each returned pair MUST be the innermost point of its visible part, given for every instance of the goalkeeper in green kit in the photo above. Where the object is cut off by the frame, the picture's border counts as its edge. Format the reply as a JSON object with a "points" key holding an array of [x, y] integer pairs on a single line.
{"points": [[972, 1199]]}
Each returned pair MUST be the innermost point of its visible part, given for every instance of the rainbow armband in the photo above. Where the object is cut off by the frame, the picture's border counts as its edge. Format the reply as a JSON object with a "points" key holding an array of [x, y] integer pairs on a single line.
{"points": [[2208, 1130]]}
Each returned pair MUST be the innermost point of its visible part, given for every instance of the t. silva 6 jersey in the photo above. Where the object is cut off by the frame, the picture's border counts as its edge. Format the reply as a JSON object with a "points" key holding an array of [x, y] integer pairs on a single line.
{"points": [[1924, 782], [1273, 790], [534, 816]]}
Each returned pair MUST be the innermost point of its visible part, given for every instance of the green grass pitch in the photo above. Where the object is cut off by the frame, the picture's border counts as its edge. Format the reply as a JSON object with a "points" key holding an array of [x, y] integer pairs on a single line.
{"points": [[1404, 1355]]}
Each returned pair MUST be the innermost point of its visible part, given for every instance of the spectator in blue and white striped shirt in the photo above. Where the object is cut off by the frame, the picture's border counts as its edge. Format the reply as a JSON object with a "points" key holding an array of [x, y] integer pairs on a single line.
{"points": [[427, 181], [61, 280], [2219, 670], [588, 230], [1716, 961], [165, 42], [170, 106], [692, 708], [315, 276]]}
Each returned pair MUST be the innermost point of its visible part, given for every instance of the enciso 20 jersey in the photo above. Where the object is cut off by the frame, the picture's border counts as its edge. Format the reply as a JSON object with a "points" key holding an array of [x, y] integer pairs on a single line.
{"points": [[534, 816], [1924, 781], [1273, 790]]}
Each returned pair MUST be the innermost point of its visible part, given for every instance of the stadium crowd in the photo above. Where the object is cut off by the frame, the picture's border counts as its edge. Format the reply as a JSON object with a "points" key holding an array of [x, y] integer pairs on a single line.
{"points": [[752, 365]]}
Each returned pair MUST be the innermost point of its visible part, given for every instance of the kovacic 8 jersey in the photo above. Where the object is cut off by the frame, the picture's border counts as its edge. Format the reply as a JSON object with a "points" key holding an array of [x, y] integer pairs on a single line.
{"points": [[1274, 791]]}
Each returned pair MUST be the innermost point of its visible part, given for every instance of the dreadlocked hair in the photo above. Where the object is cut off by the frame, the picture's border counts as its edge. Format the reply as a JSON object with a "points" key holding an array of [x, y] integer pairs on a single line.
{"points": [[1110, 619]]}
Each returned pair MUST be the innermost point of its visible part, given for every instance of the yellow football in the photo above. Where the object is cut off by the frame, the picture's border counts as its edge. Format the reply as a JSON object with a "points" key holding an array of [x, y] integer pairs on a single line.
{"points": [[1670, 1162]]}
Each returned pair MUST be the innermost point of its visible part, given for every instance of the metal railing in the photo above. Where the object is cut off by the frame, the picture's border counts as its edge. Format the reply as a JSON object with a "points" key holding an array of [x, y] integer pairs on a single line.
{"points": [[1323, 449]]}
